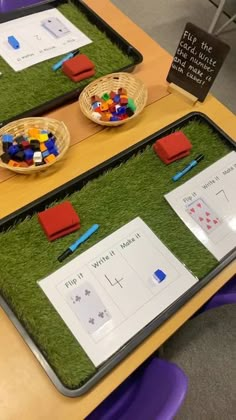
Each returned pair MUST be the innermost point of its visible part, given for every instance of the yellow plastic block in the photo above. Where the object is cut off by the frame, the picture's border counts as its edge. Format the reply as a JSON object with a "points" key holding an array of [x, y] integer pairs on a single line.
{"points": [[109, 102], [43, 137], [49, 158], [33, 133]]}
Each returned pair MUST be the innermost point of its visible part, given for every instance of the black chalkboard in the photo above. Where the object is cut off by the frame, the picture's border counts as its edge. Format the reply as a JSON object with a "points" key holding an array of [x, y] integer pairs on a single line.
{"points": [[197, 61]]}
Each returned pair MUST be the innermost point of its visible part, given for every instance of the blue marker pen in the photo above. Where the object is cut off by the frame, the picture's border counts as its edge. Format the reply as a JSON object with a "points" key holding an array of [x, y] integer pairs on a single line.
{"points": [[188, 168], [58, 65], [77, 243]]}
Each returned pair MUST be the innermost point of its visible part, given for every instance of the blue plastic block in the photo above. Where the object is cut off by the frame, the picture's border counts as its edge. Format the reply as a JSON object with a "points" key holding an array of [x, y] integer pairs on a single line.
{"points": [[116, 99], [28, 154], [49, 144], [159, 275], [7, 138], [13, 42], [45, 154], [12, 150], [96, 105], [114, 118], [54, 151], [121, 110]]}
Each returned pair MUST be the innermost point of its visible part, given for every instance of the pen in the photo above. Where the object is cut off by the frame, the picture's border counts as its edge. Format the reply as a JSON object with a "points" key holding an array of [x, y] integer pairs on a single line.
{"points": [[67, 57], [188, 168], [77, 243]]}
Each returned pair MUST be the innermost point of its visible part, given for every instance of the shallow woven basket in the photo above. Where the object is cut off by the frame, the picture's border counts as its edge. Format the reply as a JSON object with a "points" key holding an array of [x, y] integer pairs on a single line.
{"points": [[135, 90], [20, 127]]}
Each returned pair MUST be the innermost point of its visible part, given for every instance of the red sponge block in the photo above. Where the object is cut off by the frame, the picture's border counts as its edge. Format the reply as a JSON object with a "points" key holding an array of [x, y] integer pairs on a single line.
{"points": [[59, 220], [172, 147], [78, 68]]}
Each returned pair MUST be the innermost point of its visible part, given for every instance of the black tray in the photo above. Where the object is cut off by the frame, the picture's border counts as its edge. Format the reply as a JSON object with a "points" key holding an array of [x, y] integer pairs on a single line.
{"points": [[76, 184], [93, 18]]}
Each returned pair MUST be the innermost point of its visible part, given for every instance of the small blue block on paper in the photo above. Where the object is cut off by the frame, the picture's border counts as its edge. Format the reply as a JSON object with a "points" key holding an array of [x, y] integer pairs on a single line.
{"points": [[13, 42], [159, 275]]}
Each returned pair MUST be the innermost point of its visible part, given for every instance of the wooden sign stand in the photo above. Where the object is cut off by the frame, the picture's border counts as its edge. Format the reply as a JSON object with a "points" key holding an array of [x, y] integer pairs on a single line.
{"points": [[172, 87]]}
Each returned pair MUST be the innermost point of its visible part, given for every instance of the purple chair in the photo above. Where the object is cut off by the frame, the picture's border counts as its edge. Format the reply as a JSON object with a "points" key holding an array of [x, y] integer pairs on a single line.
{"points": [[155, 391], [9, 5], [224, 296]]}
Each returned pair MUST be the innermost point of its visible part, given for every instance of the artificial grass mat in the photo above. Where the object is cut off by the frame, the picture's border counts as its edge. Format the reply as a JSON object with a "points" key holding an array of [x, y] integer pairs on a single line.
{"points": [[29, 88], [135, 188]]}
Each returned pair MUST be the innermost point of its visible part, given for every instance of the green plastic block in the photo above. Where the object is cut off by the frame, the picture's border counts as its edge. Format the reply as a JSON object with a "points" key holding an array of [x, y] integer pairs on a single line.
{"points": [[131, 104], [105, 96]]}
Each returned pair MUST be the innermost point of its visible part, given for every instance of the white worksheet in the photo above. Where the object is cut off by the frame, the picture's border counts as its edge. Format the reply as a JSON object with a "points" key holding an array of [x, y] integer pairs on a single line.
{"points": [[207, 205], [41, 36], [109, 293]]}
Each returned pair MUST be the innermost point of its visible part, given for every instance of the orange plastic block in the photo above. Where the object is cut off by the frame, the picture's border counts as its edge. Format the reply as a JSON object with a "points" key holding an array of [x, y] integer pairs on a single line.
{"points": [[104, 106], [33, 133], [49, 158], [42, 147], [109, 102], [122, 91], [13, 163]]}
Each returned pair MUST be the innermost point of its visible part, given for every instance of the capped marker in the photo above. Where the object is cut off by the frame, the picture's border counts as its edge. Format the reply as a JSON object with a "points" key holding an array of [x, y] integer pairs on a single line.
{"points": [[77, 243], [188, 168]]}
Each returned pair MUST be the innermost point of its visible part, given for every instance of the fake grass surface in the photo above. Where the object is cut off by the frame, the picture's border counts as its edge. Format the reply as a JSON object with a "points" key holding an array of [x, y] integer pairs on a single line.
{"points": [[24, 90], [135, 188]]}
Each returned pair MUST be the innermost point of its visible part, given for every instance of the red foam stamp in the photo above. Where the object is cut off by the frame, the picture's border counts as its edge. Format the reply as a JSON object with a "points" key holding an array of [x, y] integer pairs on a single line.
{"points": [[59, 220], [78, 68], [172, 147]]}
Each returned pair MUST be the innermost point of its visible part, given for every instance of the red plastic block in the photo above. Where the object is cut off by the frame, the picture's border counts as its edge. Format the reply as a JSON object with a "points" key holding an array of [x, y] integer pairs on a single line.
{"points": [[172, 147], [59, 221]]}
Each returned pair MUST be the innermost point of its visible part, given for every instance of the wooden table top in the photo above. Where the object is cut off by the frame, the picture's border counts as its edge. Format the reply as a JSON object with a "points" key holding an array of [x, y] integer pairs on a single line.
{"points": [[26, 393]]}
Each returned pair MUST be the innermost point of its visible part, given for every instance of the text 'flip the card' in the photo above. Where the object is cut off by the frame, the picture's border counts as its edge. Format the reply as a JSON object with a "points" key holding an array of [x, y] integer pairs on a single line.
{"points": [[197, 61]]}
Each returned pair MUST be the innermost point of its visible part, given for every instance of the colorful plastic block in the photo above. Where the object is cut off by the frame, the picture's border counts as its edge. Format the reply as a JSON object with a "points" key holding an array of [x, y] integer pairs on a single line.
{"points": [[122, 91], [104, 106], [96, 115], [49, 144], [96, 105], [45, 153], [28, 154], [5, 157], [12, 150], [13, 163], [7, 138], [95, 98], [42, 147], [106, 96], [131, 104], [116, 99], [33, 133], [112, 94], [43, 137], [123, 101], [35, 145], [25, 144], [50, 158], [37, 157]]}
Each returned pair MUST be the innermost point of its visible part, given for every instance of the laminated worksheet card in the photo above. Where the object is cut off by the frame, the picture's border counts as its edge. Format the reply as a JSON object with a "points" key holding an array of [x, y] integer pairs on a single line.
{"points": [[114, 289], [207, 205], [41, 36]]}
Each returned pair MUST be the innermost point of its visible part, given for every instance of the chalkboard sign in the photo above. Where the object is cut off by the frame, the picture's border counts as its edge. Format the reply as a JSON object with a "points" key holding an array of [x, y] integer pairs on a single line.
{"points": [[197, 61]]}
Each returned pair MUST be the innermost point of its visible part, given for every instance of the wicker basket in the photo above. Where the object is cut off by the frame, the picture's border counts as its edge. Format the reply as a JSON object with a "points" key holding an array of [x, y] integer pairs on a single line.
{"points": [[20, 127], [135, 90]]}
